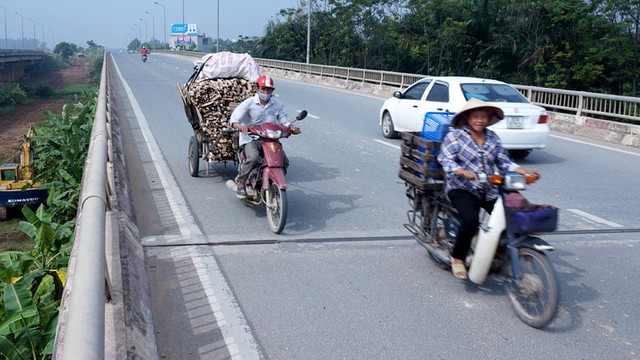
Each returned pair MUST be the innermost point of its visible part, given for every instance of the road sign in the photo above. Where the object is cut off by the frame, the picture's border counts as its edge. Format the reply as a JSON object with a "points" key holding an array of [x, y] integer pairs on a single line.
{"points": [[179, 29], [184, 29], [192, 29]]}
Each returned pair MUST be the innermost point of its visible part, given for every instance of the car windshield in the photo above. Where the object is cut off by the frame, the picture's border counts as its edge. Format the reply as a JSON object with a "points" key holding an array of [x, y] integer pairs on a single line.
{"points": [[492, 93]]}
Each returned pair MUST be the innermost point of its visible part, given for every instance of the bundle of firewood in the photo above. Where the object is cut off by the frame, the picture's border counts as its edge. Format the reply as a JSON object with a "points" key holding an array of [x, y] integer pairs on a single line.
{"points": [[215, 99]]}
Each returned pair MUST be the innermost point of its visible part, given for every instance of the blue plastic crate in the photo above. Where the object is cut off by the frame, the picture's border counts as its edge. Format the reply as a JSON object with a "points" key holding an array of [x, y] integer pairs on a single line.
{"points": [[436, 125]]}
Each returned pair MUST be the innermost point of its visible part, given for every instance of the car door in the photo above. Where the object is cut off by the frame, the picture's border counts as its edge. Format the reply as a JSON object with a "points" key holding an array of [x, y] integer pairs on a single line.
{"points": [[438, 98], [408, 115]]}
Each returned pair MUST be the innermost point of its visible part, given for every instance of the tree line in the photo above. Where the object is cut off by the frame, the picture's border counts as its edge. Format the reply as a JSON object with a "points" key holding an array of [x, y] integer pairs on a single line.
{"points": [[586, 45]]}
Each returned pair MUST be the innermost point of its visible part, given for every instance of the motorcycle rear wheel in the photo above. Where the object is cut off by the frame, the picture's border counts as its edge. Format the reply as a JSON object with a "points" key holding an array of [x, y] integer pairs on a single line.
{"points": [[277, 206], [536, 299]]}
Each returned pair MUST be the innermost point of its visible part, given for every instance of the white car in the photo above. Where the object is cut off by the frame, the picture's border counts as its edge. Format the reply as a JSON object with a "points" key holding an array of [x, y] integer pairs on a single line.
{"points": [[524, 127]]}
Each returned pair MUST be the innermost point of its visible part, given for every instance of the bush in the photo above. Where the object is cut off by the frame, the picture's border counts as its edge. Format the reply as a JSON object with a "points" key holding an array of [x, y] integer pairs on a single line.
{"points": [[95, 68], [12, 94], [41, 91]]}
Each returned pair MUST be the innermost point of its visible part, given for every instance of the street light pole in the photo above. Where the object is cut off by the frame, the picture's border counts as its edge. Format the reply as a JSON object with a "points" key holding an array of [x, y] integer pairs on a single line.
{"points": [[139, 32], [146, 37], [22, 22], [4, 10], [218, 34], [164, 23], [153, 28], [53, 41], [34, 33], [308, 29], [43, 40]]}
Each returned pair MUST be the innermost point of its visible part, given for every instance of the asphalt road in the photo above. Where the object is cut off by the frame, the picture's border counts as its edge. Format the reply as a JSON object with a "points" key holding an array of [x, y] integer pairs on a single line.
{"points": [[345, 280]]}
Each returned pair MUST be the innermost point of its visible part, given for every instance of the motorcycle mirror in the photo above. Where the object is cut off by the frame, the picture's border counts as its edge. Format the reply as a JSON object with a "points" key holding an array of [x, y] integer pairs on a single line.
{"points": [[301, 115]]}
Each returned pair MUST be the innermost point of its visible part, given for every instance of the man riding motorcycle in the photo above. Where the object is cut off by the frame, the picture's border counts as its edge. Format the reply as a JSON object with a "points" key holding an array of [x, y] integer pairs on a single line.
{"points": [[259, 109]]}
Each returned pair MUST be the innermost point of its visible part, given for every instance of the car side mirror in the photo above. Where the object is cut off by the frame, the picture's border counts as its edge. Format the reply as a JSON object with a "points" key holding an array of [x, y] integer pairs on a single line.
{"points": [[397, 95]]}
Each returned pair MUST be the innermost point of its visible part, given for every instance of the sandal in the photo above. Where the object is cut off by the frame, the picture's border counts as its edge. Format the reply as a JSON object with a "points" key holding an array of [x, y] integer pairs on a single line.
{"points": [[459, 270]]}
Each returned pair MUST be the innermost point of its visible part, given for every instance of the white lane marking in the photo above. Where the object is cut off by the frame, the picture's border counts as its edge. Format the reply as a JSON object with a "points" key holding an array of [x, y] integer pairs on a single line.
{"points": [[386, 143], [596, 145], [595, 218], [235, 331]]}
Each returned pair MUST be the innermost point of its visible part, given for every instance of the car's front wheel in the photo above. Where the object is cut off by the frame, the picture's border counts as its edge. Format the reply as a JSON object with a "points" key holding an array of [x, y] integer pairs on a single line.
{"points": [[388, 130]]}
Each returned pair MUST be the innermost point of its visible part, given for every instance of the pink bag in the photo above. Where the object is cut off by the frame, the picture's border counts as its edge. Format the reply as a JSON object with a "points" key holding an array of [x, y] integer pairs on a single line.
{"points": [[515, 200]]}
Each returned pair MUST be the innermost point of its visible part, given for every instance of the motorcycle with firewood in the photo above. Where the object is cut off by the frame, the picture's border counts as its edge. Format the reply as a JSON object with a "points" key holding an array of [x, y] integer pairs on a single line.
{"points": [[267, 183], [506, 246]]}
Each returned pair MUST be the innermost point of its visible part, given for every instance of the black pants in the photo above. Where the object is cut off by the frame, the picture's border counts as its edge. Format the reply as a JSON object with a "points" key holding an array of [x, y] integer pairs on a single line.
{"points": [[468, 206]]}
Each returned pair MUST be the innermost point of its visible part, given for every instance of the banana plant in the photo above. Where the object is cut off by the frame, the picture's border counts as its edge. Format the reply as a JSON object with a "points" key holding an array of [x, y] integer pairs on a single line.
{"points": [[32, 284]]}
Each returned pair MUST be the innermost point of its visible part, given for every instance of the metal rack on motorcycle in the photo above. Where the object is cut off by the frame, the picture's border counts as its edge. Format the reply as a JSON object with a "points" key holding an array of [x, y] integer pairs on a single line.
{"points": [[424, 180]]}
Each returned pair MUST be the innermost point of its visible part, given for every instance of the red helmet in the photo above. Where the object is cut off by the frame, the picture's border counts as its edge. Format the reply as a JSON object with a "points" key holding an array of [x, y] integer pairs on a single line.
{"points": [[265, 81]]}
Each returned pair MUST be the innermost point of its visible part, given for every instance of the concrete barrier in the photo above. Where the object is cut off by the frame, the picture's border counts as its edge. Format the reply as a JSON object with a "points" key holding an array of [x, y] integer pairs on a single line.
{"points": [[614, 132]]}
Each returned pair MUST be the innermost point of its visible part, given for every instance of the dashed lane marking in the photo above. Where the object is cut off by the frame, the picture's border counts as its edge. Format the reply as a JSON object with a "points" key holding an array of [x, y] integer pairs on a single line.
{"points": [[594, 218]]}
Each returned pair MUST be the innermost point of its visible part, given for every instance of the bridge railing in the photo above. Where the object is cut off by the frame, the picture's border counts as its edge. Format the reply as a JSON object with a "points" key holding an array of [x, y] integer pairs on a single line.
{"points": [[12, 55], [81, 325]]}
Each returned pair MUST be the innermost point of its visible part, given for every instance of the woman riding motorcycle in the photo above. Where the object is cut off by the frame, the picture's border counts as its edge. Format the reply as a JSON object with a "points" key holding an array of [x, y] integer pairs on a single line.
{"points": [[470, 153]]}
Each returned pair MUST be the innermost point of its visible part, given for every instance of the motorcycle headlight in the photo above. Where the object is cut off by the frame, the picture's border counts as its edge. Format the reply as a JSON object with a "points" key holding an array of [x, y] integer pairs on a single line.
{"points": [[274, 134], [514, 181]]}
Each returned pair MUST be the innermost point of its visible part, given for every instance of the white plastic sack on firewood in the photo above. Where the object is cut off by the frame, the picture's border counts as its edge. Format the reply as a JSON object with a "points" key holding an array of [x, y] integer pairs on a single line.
{"points": [[228, 65]]}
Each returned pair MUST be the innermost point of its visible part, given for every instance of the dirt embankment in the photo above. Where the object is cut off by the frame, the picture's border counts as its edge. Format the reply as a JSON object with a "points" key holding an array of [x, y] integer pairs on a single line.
{"points": [[14, 125]]}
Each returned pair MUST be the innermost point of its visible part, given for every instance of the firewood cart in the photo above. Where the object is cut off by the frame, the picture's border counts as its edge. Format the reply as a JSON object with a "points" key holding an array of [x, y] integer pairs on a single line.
{"points": [[208, 104]]}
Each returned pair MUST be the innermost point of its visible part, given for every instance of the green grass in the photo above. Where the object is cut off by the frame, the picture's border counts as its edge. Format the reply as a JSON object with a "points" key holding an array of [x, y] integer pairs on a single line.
{"points": [[76, 89], [11, 238], [7, 109]]}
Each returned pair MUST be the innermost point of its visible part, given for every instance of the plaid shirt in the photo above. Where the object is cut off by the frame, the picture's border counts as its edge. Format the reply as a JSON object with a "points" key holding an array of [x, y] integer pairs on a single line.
{"points": [[460, 151]]}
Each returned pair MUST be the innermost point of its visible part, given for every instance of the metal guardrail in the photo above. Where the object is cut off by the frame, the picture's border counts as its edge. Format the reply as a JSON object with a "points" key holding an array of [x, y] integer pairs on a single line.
{"points": [[81, 328], [584, 103], [576, 102]]}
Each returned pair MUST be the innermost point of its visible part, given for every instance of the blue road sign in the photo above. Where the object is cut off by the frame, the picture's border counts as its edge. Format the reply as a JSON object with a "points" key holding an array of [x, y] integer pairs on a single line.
{"points": [[179, 29]]}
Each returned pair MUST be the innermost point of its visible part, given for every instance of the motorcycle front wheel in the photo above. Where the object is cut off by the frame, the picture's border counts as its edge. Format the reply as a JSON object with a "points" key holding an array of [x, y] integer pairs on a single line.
{"points": [[535, 299], [276, 203]]}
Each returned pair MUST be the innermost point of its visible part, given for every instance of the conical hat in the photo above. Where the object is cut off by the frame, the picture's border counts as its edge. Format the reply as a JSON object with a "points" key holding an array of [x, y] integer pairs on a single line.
{"points": [[461, 117]]}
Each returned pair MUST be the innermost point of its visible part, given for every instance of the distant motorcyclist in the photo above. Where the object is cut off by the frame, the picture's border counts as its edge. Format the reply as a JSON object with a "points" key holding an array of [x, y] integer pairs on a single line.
{"points": [[144, 51], [259, 109]]}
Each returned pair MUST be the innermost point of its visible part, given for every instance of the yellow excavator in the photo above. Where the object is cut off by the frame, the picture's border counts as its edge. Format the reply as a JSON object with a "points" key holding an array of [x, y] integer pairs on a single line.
{"points": [[17, 187]]}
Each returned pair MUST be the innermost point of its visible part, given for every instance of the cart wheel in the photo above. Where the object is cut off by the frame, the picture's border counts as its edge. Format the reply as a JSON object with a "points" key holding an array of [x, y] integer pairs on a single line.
{"points": [[194, 157]]}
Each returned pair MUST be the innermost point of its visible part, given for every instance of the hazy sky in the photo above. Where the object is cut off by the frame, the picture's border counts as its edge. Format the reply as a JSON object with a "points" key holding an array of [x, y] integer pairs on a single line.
{"points": [[113, 22]]}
